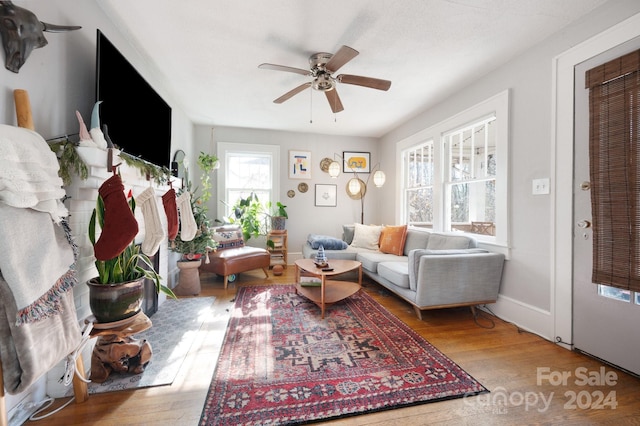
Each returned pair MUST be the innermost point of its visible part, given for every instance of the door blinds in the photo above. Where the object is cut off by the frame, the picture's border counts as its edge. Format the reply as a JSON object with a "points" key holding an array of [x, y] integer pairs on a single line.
{"points": [[614, 156]]}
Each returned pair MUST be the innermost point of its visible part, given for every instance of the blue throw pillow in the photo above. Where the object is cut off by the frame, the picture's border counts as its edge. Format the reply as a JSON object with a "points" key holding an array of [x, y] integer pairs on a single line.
{"points": [[329, 243]]}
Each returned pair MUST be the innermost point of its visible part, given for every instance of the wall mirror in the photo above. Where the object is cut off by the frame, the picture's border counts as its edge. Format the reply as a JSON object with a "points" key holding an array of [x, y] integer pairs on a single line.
{"points": [[177, 165]]}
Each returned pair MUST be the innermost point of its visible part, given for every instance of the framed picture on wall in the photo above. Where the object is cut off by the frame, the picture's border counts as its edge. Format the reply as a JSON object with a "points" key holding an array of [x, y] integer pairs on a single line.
{"points": [[356, 162], [299, 165], [326, 195]]}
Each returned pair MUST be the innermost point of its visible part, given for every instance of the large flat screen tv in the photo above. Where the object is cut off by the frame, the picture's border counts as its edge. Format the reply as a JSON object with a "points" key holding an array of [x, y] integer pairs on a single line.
{"points": [[138, 120]]}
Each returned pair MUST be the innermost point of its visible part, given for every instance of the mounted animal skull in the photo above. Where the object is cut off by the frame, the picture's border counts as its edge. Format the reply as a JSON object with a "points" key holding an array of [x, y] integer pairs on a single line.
{"points": [[21, 32]]}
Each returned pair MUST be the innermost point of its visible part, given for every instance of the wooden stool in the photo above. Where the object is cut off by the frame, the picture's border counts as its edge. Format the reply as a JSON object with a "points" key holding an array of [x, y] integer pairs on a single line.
{"points": [[116, 349]]}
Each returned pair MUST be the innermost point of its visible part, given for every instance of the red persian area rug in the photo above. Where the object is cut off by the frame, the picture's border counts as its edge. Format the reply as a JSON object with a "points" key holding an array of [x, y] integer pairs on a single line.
{"points": [[280, 363]]}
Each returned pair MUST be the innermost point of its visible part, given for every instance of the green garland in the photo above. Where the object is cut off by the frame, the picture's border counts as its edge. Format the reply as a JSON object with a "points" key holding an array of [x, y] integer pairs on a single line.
{"points": [[72, 164], [160, 175], [69, 161]]}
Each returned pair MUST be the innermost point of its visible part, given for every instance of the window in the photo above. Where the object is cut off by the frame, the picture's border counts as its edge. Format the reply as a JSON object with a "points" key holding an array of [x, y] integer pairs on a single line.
{"points": [[246, 168], [418, 186], [454, 174], [470, 184]]}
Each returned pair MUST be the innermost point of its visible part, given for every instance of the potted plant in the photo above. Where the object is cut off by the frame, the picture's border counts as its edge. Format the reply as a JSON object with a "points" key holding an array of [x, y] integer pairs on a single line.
{"points": [[278, 216], [193, 250], [117, 292], [207, 163], [249, 213]]}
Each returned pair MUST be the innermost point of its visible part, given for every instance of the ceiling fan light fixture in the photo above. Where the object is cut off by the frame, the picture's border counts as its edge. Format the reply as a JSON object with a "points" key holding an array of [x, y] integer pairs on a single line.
{"points": [[323, 82]]}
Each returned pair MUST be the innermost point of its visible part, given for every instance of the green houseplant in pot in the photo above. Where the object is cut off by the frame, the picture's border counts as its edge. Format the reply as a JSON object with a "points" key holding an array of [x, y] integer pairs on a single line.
{"points": [[278, 216], [117, 292], [195, 249]]}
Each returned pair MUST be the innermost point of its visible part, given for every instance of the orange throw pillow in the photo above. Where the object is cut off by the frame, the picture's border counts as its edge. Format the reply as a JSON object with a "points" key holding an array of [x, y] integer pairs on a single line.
{"points": [[392, 239]]}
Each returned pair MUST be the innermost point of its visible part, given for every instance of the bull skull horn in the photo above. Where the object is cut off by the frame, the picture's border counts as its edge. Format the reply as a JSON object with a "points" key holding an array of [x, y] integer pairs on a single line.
{"points": [[22, 32], [52, 28]]}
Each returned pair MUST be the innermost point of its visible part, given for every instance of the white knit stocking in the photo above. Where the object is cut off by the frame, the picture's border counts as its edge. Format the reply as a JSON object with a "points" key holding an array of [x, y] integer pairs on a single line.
{"points": [[188, 226], [154, 232]]}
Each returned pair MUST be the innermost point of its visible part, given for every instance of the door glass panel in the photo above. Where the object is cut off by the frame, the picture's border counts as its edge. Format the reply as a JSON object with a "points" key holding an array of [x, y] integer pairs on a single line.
{"points": [[614, 293]]}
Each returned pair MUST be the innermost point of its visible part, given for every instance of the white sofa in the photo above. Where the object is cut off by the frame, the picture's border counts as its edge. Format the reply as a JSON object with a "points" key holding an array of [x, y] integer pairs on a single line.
{"points": [[435, 270]]}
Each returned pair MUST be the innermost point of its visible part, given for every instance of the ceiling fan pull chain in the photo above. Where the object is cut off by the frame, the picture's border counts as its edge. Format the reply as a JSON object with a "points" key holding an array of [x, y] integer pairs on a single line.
{"points": [[310, 106]]}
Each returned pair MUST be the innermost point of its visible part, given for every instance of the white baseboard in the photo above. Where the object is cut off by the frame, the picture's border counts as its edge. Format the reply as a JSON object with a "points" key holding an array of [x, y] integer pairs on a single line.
{"points": [[524, 316]]}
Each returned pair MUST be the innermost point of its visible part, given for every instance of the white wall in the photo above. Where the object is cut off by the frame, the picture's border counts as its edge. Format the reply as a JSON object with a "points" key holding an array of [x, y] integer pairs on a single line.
{"points": [[304, 216], [526, 292], [60, 79]]}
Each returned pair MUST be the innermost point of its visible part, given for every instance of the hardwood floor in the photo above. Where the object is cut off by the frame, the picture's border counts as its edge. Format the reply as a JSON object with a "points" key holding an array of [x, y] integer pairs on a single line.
{"points": [[503, 358]]}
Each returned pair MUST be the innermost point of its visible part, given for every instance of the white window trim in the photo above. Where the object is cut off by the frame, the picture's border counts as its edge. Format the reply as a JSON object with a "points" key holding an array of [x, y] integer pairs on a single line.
{"points": [[498, 105], [223, 148]]}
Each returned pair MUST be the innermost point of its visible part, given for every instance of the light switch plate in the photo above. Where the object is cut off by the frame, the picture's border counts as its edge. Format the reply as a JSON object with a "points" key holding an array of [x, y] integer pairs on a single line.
{"points": [[540, 186]]}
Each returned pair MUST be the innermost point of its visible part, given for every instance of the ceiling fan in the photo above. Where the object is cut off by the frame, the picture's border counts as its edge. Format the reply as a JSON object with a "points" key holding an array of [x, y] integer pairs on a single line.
{"points": [[321, 67]]}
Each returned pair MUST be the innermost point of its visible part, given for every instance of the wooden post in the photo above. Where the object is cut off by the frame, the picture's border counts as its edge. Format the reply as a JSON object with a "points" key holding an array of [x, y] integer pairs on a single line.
{"points": [[80, 388], [23, 109], [3, 408]]}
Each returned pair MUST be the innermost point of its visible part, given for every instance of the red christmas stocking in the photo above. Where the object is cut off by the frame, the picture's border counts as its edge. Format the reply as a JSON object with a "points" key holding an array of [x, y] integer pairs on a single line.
{"points": [[171, 209], [120, 225]]}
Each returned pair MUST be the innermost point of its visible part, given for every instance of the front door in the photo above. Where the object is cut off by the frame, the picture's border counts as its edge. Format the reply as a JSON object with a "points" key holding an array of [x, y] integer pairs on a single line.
{"points": [[606, 321]]}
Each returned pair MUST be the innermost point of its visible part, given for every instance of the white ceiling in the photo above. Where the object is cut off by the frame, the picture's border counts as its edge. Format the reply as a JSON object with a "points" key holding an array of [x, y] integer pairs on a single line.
{"points": [[208, 51]]}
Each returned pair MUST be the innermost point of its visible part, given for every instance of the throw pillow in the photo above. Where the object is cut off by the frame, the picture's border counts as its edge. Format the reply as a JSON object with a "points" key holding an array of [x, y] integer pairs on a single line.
{"points": [[228, 237], [392, 239], [327, 242], [366, 236], [347, 233]]}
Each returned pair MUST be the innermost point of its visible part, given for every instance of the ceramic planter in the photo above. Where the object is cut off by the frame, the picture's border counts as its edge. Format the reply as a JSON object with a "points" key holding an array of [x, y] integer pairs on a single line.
{"points": [[115, 302], [278, 223]]}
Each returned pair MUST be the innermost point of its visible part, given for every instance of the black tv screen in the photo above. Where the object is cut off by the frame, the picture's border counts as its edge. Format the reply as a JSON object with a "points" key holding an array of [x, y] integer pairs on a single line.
{"points": [[138, 120]]}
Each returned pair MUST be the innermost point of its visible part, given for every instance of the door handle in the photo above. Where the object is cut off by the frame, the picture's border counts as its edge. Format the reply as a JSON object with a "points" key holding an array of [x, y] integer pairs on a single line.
{"points": [[584, 224]]}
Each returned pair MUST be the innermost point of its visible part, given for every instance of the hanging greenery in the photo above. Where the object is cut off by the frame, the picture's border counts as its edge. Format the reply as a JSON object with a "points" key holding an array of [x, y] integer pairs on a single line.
{"points": [[71, 164], [69, 161], [207, 163], [160, 175]]}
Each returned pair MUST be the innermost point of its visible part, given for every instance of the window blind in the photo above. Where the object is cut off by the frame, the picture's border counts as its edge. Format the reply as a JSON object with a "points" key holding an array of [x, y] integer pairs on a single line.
{"points": [[614, 156]]}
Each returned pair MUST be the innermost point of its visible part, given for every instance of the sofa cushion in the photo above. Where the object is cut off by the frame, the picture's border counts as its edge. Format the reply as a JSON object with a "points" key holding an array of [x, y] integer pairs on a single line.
{"points": [[396, 272], [392, 239], [347, 232], [371, 258], [366, 236], [327, 242], [416, 239], [446, 241], [228, 236]]}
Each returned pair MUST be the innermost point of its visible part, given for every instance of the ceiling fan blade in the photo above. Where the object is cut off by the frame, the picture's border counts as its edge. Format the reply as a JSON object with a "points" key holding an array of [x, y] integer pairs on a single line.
{"points": [[284, 68], [373, 83], [341, 57], [334, 100], [292, 93]]}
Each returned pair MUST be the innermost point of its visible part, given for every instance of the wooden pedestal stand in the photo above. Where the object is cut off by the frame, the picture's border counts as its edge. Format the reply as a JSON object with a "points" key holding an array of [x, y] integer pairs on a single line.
{"points": [[189, 278], [116, 349]]}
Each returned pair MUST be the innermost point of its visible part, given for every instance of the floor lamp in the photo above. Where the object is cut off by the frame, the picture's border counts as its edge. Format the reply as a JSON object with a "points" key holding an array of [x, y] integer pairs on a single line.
{"points": [[356, 187]]}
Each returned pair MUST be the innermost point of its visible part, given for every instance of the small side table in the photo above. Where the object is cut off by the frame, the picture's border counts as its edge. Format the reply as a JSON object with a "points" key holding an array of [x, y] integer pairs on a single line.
{"points": [[116, 349], [279, 250], [329, 291]]}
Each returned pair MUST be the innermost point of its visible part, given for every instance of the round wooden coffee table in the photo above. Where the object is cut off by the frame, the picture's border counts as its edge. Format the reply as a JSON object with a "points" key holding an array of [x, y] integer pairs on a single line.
{"points": [[327, 291]]}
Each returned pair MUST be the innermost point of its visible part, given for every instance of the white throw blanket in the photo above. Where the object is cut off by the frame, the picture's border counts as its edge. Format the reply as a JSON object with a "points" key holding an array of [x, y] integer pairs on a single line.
{"points": [[36, 261], [38, 320], [29, 172]]}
